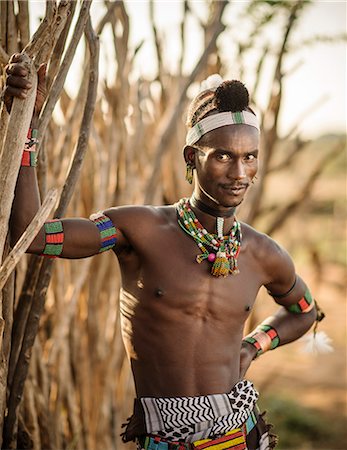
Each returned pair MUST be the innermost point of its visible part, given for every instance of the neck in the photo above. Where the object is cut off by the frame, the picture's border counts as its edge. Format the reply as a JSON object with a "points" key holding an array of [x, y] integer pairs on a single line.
{"points": [[210, 210]]}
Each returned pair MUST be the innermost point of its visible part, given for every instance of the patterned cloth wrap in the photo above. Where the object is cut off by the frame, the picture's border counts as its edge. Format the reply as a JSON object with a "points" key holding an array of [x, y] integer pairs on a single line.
{"points": [[234, 439], [195, 418], [218, 421]]}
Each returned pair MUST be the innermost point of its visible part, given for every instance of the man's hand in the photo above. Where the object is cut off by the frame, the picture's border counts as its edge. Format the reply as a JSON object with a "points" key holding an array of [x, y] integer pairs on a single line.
{"points": [[17, 85], [247, 355]]}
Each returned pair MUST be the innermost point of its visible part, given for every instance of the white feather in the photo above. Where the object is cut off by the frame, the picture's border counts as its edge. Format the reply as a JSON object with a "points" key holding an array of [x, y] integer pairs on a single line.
{"points": [[211, 82], [316, 343]]}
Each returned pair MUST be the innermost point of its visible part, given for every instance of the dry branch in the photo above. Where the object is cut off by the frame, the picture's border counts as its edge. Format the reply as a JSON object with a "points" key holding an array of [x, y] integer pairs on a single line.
{"points": [[12, 148], [22, 366], [60, 45], [23, 23], [27, 237], [75, 169], [303, 195], [270, 118], [59, 81], [167, 129], [42, 34], [4, 57]]}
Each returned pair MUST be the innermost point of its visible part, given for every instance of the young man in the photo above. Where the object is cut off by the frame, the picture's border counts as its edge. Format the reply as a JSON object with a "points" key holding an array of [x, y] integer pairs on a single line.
{"points": [[190, 276]]}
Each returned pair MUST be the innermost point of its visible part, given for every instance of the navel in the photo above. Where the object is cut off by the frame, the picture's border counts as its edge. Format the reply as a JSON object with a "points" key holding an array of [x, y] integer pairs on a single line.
{"points": [[159, 292]]}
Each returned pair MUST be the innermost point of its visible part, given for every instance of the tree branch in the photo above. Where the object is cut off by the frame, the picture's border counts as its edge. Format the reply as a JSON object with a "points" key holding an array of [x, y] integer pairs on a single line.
{"points": [[27, 237], [303, 195], [167, 128]]}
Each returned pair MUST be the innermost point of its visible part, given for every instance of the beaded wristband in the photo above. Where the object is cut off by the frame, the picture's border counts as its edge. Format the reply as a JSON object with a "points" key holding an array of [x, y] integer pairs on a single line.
{"points": [[304, 305], [54, 238], [263, 338], [29, 158], [107, 231]]}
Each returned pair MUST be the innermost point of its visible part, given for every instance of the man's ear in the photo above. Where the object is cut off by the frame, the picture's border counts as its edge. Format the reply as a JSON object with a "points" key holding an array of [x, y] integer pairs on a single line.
{"points": [[189, 155]]}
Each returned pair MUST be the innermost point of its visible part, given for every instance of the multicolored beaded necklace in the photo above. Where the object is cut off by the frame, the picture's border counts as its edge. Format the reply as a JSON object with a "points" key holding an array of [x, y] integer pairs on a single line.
{"points": [[222, 251]]}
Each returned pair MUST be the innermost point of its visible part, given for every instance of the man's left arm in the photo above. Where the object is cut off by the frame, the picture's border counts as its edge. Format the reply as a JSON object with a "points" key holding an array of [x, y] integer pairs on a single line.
{"points": [[295, 316]]}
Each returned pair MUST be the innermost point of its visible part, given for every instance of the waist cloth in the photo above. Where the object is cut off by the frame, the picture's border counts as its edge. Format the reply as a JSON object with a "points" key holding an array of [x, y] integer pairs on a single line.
{"points": [[218, 421]]}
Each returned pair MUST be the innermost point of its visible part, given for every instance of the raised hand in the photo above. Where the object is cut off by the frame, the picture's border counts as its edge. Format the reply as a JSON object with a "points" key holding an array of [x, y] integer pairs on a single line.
{"points": [[17, 85]]}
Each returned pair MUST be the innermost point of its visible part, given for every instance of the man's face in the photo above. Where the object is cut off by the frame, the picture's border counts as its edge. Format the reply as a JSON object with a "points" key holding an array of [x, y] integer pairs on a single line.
{"points": [[226, 161]]}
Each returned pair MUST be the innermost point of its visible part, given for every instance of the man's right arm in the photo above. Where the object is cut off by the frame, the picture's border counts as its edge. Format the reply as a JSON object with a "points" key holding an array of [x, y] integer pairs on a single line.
{"points": [[68, 238]]}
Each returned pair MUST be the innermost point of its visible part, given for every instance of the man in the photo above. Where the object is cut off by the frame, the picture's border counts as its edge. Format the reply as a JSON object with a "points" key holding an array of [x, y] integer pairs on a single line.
{"points": [[190, 276]]}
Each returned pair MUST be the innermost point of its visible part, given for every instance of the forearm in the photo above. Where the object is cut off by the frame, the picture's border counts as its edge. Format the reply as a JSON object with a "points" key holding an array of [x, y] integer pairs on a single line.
{"points": [[290, 326], [26, 201]]}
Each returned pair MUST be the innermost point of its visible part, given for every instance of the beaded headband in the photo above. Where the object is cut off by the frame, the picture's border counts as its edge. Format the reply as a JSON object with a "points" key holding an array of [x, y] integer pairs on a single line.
{"points": [[220, 120], [224, 116]]}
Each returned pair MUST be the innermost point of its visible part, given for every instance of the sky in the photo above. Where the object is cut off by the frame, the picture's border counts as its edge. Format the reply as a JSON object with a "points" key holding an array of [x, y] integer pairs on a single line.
{"points": [[317, 86]]}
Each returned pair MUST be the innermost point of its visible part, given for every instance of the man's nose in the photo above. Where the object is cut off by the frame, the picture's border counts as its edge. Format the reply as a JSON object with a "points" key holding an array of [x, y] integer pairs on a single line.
{"points": [[237, 170]]}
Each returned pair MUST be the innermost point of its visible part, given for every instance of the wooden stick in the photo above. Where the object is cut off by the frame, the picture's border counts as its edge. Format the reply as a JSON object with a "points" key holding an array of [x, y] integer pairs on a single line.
{"points": [[23, 23], [13, 145], [93, 43], [303, 195], [4, 57], [27, 237], [168, 127], [59, 81]]}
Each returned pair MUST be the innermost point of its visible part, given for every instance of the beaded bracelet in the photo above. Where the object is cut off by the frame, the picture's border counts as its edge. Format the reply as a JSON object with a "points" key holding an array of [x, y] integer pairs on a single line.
{"points": [[54, 237], [29, 158], [263, 338], [108, 233], [304, 305]]}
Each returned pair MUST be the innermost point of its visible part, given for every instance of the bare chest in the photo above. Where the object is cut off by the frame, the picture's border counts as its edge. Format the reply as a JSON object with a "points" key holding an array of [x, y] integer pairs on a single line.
{"points": [[166, 279]]}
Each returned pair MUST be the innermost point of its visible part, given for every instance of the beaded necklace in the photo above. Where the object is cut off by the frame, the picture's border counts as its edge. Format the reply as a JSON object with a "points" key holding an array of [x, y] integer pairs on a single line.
{"points": [[222, 251]]}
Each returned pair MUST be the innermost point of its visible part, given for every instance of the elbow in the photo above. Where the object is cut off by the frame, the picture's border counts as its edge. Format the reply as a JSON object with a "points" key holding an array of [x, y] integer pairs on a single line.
{"points": [[309, 319]]}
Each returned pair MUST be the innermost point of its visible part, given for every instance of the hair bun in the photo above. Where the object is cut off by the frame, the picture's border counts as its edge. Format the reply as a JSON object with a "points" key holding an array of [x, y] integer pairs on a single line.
{"points": [[231, 96]]}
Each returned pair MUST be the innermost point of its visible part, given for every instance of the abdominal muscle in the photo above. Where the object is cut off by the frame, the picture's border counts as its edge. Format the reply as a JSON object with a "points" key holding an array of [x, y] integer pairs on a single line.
{"points": [[181, 351]]}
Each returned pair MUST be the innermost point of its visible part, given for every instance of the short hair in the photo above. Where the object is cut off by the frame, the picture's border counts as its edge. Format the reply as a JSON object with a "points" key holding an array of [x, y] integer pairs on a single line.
{"points": [[229, 96]]}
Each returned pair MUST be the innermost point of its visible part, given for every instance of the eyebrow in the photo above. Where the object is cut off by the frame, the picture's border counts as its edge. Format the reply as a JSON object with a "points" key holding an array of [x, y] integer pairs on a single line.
{"points": [[206, 147], [253, 152]]}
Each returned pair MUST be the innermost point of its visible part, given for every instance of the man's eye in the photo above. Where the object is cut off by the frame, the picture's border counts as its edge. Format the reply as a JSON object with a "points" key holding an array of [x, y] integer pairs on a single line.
{"points": [[223, 157], [250, 157]]}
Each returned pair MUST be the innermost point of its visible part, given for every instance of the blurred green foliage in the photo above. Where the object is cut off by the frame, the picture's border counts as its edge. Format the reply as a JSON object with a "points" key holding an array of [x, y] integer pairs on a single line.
{"points": [[302, 428]]}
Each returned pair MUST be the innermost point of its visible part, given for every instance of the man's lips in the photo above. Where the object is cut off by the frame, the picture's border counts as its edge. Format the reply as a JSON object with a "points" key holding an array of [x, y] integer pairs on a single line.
{"points": [[234, 187]]}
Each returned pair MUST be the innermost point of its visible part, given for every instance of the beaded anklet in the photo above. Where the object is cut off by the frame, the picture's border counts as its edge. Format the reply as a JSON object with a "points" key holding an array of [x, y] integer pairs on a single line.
{"points": [[29, 158], [54, 238], [263, 338], [304, 305], [107, 231]]}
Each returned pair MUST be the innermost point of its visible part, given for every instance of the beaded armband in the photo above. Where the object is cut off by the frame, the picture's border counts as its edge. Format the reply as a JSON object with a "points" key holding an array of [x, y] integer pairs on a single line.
{"points": [[54, 236], [107, 231], [29, 157], [304, 305], [263, 338]]}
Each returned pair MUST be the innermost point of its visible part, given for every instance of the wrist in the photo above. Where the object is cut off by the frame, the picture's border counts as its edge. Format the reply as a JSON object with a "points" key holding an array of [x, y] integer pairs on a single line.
{"points": [[249, 349], [29, 151], [263, 338]]}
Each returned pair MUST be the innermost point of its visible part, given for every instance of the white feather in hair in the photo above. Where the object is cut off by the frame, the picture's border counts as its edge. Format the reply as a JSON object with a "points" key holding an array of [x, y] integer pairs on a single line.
{"points": [[211, 82]]}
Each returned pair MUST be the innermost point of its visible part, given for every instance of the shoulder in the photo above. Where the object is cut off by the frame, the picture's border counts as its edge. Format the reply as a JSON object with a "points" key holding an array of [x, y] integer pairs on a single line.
{"points": [[137, 225], [137, 221], [151, 215], [276, 263]]}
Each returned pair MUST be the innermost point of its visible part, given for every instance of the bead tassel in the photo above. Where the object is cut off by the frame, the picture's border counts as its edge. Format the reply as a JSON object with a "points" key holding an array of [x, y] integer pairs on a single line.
{"points": [[221, 251]]}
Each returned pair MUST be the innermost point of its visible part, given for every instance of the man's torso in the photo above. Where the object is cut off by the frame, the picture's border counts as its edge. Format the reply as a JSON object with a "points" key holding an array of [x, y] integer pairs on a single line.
{"points": [[181, 326]]}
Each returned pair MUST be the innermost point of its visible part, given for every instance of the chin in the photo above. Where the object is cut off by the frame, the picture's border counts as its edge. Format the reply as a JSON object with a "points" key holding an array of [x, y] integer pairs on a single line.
{"points": [[231, 201]]}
